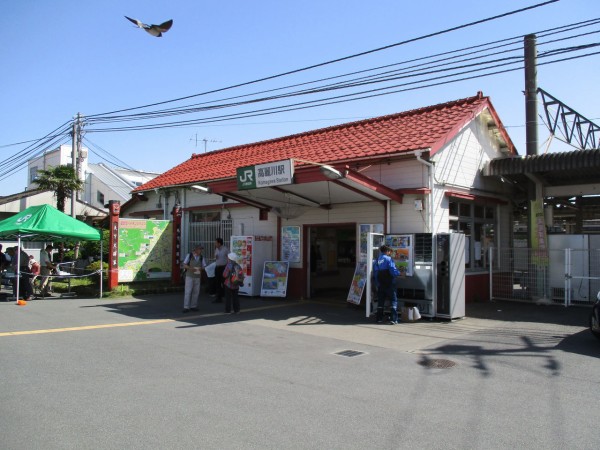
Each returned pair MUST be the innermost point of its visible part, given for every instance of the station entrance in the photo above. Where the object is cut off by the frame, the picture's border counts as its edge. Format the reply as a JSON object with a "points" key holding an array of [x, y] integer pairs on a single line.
{"points": [[332, 260]]}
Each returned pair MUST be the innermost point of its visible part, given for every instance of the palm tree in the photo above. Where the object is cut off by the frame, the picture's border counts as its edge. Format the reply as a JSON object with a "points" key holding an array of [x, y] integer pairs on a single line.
{"points": [[60, 179], [64, 182]]}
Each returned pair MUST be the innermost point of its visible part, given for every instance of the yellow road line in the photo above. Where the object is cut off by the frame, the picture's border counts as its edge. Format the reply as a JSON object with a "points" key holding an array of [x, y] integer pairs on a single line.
{"points": [[87, 327], [126, 324]]}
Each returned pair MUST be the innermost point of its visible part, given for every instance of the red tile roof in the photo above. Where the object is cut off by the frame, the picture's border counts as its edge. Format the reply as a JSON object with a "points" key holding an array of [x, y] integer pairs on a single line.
{"points": [[424, 128]]}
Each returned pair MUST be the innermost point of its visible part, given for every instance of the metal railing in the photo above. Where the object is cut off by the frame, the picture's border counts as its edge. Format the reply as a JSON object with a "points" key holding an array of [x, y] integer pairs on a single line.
{"points": [[205, 233], [565, 276]]}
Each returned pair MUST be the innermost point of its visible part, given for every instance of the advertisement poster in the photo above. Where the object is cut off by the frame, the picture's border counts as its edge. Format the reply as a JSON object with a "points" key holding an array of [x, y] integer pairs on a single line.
{"points": [[290, 243], [145, 249], [275, 278], [242, 246], [363, 236], [359, 280], [402, 252]]}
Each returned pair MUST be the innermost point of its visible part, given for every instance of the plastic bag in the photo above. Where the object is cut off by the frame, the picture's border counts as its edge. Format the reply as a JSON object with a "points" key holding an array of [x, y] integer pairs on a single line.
{"points": [[416, 313], [210, 270]]}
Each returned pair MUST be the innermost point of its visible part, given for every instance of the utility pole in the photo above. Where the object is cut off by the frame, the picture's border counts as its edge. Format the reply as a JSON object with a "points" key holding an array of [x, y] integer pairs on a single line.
{"points": [[73, 159], [76, 158], [531, 122], [535, 207]]}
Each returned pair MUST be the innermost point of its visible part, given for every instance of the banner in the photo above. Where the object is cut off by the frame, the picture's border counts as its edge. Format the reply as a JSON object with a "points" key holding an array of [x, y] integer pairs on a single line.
{"points": [[537, 229]]}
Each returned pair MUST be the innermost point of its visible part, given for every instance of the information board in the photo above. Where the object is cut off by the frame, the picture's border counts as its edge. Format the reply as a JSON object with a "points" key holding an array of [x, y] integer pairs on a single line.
{"points": [[275, 278], [145, 249]]}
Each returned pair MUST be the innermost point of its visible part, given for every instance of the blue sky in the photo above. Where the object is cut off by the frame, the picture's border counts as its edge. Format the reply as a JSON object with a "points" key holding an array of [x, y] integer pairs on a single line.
{"points": [[63, 57]]}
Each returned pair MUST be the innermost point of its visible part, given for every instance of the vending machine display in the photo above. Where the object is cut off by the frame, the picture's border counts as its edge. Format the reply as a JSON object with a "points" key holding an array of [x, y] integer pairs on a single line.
{"points": [[252, 253]]}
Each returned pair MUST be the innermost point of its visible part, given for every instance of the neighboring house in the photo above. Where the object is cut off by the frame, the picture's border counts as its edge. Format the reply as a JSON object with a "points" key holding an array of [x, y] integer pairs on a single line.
{"points": [[414, 172], [101, 184]]}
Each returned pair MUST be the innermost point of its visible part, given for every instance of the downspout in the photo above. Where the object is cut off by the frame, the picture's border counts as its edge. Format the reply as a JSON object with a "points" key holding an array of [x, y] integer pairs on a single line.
{"points": [[388, 216], [430, 169]]}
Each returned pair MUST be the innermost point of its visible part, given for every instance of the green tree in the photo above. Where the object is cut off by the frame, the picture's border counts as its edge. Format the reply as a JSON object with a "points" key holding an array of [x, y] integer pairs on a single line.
{"points": [[60, 179]]}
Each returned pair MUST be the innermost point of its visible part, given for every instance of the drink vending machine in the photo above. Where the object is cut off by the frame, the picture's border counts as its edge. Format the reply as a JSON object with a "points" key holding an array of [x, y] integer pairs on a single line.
{"points": [[252, 253], [422, 258]]}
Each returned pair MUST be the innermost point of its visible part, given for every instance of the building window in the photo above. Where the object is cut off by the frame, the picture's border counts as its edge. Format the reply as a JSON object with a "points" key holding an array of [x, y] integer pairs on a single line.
{"points": [[33, 174], [478, 223], [206, 216], [100, 197]]}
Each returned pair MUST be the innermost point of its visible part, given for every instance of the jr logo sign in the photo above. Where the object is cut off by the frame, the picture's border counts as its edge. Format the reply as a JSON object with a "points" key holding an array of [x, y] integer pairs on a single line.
{"points": [[265, 175], [246, 178]]}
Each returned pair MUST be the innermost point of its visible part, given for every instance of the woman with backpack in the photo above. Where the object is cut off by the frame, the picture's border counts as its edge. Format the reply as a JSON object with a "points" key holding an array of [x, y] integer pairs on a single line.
{"points": [[233, 278]]}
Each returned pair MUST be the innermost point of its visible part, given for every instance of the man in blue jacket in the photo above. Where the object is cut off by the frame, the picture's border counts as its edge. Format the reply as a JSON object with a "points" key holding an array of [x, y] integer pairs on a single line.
{"points": [[384, 273]]}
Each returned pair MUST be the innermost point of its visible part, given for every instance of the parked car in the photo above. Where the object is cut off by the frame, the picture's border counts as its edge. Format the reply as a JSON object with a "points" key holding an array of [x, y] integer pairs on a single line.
{"points": [[595, 317]]}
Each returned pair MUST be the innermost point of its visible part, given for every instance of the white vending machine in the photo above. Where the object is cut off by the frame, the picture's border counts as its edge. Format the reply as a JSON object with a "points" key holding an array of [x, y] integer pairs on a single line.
{"points": [[252, 253]]}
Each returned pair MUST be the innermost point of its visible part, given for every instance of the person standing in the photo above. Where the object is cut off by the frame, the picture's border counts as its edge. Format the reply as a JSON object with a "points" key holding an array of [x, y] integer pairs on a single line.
{"points": [[3, 260], [46, 268], [194, 264], [232, 273], [384, 274], [221, 252], [25, 286]]}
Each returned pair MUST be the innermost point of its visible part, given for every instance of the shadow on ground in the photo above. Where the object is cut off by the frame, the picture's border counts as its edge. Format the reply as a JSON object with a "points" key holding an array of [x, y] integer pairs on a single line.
{"points": [[529, 312]]}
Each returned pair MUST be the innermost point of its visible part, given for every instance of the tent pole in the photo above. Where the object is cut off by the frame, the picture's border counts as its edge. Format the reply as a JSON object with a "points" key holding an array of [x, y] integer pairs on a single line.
{"points": [[101, 266], [18, 268]]}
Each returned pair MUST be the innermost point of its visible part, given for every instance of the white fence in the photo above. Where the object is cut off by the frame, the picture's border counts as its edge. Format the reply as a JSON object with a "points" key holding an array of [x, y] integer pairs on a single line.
{"points": [[566, 276]]}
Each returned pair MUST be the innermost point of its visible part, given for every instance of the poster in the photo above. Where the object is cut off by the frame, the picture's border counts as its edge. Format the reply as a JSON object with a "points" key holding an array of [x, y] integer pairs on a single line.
{"points": [[275, 278], [290, 243], [359, 280], [402, 252], [363, 236]]}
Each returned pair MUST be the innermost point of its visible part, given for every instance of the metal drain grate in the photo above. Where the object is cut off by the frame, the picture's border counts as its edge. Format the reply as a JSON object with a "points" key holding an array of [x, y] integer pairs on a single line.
{"points": [[350, 353], [437, 363]]}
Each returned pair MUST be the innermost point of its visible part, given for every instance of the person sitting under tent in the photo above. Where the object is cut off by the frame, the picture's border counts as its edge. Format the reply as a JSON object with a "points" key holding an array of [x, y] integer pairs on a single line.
{"points": [[46, 269]]}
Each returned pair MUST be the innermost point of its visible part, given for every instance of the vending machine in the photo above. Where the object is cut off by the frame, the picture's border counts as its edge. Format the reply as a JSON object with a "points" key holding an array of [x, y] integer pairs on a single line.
{"points": [[450, 272], [252, 253]]}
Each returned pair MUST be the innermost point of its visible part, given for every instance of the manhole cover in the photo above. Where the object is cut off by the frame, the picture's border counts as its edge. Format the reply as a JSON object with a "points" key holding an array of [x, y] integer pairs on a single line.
{"points": [[437, 363], [350, 353]]}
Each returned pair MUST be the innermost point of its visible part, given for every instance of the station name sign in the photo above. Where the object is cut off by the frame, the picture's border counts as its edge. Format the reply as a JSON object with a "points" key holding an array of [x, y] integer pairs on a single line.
{"points": [[265, 175]]}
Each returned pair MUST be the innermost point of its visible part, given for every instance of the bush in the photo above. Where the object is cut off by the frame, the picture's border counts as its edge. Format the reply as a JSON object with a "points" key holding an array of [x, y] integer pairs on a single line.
{"points": [[96, 266]]}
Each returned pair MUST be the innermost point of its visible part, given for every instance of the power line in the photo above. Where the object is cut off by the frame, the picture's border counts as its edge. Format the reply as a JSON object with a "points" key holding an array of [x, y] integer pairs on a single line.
{"points": [[353, 82], [345, 58], [432, 81], [432, 66]]}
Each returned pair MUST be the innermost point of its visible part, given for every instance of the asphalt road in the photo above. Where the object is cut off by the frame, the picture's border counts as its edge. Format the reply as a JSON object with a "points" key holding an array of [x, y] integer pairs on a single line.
{"points": [[138, 374]]}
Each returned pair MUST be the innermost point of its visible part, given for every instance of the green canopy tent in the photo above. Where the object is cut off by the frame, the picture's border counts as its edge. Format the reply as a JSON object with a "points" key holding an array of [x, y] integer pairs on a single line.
{"points": [[45, 223]]}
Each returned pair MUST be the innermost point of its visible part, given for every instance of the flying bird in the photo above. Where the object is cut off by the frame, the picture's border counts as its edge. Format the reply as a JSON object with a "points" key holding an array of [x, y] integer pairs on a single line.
{"points": [[154, 30]]}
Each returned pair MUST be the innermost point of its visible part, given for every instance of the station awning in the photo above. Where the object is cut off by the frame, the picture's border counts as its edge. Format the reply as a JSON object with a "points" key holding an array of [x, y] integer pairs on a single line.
{"points": [[311, 189]]}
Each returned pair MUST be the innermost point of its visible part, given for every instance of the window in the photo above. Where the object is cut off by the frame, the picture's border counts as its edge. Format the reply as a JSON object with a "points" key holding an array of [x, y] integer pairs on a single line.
{"points": [[100, 197], [33, 174], [478, 223], [205, 216]]}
